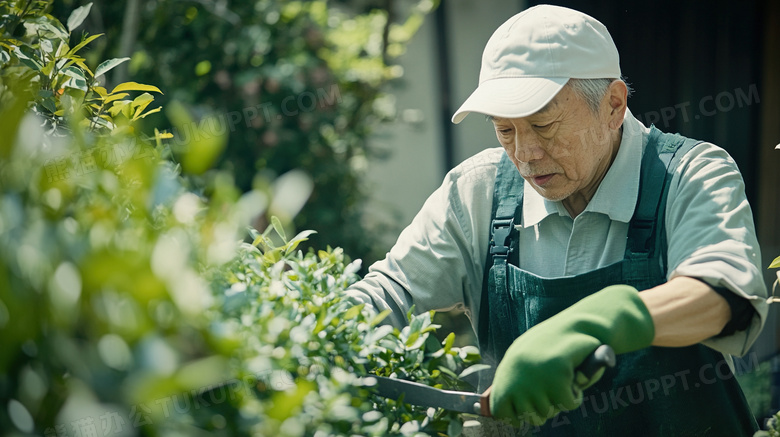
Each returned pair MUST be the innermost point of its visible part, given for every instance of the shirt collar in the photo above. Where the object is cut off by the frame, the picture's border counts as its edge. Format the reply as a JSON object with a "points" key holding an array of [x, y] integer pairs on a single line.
{"points": [[616, 195]]}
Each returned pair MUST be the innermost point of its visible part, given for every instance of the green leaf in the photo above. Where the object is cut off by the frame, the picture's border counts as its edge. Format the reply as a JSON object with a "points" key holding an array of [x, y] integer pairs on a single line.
{"points": [[448, 372], [46, 46], [141, 102], [417, 323], [113, 97], [285, 403], [455, 428], [149, 112], [298, 239], [47, 28], [416, 341], [119, 106], [320, 325], [378, 333], [48, 68], [81, 45], [78, 15], [259, 239], [49, 104], [134, 86], [106, 66], [277, 224], [379, 317], [273, 256], [263, 239], [61, 50], [72, 99], [102, 122], [79, 84], [469, 353], [473, 369], [449, 341], [409, 314], [28, 59], [80, 63], [353, 312], [74, 72], [775, 264]]}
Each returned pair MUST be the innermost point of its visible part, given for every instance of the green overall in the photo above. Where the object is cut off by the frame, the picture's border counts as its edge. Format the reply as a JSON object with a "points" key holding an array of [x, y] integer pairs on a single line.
{"points": [[656, 391]]}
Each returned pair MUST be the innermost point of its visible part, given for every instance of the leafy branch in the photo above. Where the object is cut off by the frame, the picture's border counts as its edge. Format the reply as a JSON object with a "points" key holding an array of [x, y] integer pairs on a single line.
{"points": [[66, 85]]}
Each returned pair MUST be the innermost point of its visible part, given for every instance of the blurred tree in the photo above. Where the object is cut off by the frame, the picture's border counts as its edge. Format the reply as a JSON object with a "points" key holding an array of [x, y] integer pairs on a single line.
{"points": [[295, 84]]}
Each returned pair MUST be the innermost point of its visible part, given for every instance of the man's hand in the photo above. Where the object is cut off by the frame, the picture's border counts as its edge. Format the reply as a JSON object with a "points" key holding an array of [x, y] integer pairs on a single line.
{"points": [[535, 380]]}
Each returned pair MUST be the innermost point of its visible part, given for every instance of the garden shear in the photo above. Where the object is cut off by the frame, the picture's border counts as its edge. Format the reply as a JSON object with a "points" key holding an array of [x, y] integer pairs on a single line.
{"points": [[467, 402]]}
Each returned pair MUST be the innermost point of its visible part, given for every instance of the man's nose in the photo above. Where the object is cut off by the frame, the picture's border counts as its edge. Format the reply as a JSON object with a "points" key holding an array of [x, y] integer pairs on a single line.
{"points": [[528, 147]]}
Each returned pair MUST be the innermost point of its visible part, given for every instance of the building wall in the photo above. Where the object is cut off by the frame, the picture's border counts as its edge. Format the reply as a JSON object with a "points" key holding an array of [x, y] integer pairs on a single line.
{"points": [[415, 166], [471, 23]]}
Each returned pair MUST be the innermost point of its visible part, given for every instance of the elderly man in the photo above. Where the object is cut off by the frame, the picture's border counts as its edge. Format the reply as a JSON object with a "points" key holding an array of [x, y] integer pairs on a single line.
{"points": [[588, 228]]}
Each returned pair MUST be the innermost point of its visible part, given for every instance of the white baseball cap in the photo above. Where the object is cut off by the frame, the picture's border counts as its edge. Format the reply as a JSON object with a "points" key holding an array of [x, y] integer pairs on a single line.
{"points": [[532, 55]]}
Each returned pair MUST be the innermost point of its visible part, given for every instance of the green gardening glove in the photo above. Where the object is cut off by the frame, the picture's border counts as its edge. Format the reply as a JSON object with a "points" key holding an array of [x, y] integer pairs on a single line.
{"points": [[535, 380]]}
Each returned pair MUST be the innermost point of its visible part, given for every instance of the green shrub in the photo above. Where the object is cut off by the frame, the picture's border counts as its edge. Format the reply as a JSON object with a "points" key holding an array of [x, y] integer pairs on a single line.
{"points": [[286, 314], [772, 428], [298, 84], [129, 304]]}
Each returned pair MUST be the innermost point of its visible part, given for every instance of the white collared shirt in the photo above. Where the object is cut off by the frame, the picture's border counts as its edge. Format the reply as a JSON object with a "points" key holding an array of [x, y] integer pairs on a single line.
{"points": [[437, 262]]}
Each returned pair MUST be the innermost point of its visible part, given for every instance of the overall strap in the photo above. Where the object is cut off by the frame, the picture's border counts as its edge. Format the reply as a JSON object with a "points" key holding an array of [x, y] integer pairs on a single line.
{"points": [[661, 157], [507, 197], [646, 234]]}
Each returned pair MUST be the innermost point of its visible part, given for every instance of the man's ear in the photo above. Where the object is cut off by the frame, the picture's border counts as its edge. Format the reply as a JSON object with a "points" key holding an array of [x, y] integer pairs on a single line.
{"points": [[615, 103]]}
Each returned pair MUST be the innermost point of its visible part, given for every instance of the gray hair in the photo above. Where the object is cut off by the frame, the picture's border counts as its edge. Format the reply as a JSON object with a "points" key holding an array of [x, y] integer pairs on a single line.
{"points": [[593, 90]]}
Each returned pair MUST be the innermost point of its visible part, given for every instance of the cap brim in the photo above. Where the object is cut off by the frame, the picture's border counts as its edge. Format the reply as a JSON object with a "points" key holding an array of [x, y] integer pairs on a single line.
{"points": [[510, 97]]}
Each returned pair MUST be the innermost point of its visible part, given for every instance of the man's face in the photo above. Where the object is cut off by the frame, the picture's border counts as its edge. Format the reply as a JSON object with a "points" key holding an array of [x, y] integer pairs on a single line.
{"points": [[563, 150]]}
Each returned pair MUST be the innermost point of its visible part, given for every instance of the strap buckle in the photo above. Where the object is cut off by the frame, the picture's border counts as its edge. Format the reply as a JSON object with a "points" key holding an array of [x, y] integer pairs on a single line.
{"points": [[500, 243]]}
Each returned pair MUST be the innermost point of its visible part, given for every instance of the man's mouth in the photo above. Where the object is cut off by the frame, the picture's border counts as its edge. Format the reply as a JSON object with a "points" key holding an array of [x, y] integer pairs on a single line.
{"points": [[543, 179]]}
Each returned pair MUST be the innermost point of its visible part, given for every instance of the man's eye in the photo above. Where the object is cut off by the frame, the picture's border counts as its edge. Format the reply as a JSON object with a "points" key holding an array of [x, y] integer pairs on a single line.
{"points": [[542, 126], [505, 131]]}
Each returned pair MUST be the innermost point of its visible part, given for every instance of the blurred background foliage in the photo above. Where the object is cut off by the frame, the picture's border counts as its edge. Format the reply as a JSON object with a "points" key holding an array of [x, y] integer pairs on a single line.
{"points": [[297, 84], [129, 303]]}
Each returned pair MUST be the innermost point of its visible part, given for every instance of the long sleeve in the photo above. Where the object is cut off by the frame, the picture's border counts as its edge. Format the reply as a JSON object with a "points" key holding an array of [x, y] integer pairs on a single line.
{"points": [[437, 262], [712, 237]]}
